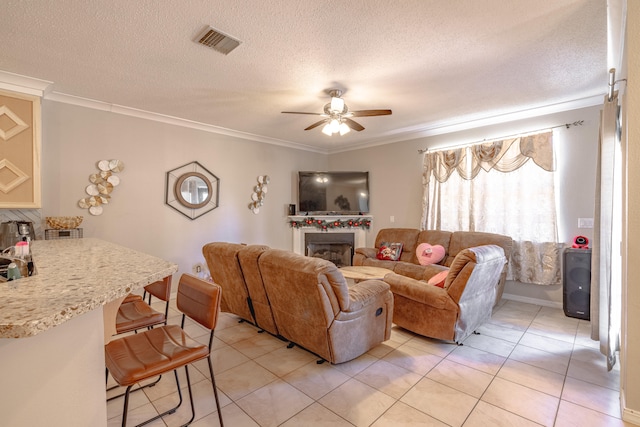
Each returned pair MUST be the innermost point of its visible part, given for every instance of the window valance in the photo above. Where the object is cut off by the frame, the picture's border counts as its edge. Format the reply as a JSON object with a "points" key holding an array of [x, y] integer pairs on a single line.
{"points": [[505, 155]]}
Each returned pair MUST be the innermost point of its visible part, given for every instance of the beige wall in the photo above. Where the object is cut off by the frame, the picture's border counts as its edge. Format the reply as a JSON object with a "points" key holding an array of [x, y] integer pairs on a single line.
{"points": [[630, 353], [396, 187], [75, 138]]}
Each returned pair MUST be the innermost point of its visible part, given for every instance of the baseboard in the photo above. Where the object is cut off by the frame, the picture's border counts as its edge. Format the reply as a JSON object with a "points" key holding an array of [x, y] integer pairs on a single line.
{"points": [[536, 301], [628, 415]]}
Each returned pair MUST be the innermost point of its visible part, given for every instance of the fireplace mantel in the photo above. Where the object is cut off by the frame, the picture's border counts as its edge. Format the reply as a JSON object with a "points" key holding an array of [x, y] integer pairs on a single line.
{"points": [[359, 233]]}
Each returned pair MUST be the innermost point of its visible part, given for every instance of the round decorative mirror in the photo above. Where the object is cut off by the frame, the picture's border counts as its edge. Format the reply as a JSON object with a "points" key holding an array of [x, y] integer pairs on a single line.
{"points": [[193, 190]]}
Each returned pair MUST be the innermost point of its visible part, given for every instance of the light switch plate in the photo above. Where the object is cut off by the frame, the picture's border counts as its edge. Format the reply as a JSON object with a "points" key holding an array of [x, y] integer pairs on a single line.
{"points": [[585, 222]]}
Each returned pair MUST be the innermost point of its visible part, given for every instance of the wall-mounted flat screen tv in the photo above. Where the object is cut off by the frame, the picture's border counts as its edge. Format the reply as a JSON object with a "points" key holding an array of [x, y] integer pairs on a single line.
{"points": [[343, 193]]}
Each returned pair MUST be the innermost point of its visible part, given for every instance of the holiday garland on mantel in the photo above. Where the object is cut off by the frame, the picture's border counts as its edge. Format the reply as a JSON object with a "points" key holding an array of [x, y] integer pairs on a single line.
{"points": [[331, 224]]}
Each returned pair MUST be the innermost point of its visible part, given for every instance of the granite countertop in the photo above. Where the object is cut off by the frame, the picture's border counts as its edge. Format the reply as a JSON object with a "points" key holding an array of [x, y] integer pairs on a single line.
{"points": [[73, 276]]}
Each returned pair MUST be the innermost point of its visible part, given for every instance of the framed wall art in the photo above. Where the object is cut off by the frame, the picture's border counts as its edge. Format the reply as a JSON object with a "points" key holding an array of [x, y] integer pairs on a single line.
{"points": [[19, 151]]}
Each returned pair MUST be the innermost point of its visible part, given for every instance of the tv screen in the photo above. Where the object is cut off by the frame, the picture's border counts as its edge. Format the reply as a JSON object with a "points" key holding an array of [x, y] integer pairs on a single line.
{"points": [[333, 192]]}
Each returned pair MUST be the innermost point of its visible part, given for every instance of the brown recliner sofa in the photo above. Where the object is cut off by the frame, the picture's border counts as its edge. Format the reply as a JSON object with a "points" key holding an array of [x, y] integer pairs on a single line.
{"points": [[453, 242], [461, 306], [234, 267], [314, 308]]}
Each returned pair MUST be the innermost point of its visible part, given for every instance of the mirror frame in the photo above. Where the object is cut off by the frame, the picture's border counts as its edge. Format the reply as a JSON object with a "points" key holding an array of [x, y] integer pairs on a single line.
{"points": [[174, 198], [178, 190]]}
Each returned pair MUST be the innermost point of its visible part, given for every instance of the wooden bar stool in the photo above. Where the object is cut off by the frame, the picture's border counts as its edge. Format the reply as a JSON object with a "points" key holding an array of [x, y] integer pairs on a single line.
{"points": [[153, 352]]}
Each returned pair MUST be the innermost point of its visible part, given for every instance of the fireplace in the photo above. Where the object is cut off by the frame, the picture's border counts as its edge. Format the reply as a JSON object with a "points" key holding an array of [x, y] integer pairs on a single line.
{"points": [[357, 239], [334, 247]]}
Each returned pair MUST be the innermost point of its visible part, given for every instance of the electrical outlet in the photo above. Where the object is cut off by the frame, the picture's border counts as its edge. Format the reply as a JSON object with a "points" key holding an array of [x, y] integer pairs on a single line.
{"points": [[198, 268], [392, 218]]}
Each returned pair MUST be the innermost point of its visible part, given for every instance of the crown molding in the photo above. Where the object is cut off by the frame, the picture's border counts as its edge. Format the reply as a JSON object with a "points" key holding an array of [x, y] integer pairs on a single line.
{"points": [[445, 127], [176, 121], [23, 84]]}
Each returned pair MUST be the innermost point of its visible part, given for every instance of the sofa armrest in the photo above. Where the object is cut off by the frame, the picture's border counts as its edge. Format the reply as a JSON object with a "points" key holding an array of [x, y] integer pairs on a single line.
{"points": [[420, 291], [366, 293], [367, 252]]}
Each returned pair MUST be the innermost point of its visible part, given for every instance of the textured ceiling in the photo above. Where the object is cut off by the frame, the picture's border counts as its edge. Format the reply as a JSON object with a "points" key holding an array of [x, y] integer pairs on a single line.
{"points": [[433, 62]]}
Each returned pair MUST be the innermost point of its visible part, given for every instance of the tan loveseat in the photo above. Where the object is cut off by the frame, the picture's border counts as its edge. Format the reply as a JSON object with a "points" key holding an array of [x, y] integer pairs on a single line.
{"points": [[453, 243], [461, 306], [306, 298]]}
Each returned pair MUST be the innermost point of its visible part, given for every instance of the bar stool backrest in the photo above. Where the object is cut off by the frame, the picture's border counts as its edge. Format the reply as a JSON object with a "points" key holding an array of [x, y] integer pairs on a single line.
{"points": [[160, 289], [199, 300]]}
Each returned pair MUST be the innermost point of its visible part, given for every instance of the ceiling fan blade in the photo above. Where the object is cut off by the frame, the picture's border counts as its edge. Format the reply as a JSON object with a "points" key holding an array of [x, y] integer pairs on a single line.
{"points": [[353, 125], [316, 124], [299, 112], [368, 113]]}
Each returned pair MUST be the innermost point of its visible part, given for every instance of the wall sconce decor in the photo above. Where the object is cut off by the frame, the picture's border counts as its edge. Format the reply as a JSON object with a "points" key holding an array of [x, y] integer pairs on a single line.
{"points": [[192, 190], [102, 184], [259, 193]]}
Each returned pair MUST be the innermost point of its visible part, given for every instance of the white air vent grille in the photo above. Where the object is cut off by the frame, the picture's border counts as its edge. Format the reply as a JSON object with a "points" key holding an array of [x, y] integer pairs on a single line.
{"points": [[217, 41]]}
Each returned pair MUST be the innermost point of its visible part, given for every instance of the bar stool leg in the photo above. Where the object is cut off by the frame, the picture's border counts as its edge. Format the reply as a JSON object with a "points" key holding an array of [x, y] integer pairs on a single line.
{"points": [[215, 390]]}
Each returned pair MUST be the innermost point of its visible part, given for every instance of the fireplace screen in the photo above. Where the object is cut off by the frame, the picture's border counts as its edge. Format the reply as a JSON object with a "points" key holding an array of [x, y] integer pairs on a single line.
{"points": [[334, 247]]}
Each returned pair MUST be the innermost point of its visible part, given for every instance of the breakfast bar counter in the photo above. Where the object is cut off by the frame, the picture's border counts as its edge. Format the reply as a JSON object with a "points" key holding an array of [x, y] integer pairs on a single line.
{"points": [[52, 329]]}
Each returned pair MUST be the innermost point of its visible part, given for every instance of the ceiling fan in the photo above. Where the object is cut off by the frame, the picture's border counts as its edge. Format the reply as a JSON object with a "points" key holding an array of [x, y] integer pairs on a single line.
{"points": [[337, 117]]}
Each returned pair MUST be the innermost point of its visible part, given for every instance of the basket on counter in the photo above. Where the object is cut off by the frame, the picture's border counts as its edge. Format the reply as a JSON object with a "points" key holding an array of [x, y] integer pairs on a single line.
{"points": [[63, 222]]}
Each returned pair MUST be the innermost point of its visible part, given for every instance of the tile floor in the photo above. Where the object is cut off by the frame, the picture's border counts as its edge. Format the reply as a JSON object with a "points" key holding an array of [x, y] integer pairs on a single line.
{"points": [[529, 366]]}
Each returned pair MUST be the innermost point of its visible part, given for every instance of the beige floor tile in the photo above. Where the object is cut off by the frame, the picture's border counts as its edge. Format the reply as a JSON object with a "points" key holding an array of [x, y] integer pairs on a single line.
{"points": [[523, 354], [316, 415], [316, 380], [490, 344], [562, 332], [547, 344], [412, 359], [357, 365], [440, 401], [203, 400], [243, 379], [523, 401], [570, 414], [232, 416], [285, 360], [461, 377], [533, 377], [258, 345], [478, 359], [432, 346], [589, 365], [541, 359], [388, 378], [222, 359], [137, 416], [357, 402], [274, 403], [383, 349], [501, 331], [592, 396], [403, 415], [234, 334], [485, 415]]}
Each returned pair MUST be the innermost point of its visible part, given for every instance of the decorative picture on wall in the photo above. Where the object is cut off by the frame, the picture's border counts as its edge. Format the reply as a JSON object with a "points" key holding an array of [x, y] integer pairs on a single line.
{"points": [[19, 151]]}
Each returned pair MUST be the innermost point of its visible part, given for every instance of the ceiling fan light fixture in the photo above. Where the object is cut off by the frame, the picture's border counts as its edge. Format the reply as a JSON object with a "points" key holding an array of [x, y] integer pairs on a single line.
{"points": [[344, 129], [337, 105], [327, 129], [335, 126]]}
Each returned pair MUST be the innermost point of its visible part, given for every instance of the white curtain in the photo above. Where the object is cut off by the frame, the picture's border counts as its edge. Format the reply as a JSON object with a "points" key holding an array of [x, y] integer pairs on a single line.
{"points": [[505, 187], [606, 260]]}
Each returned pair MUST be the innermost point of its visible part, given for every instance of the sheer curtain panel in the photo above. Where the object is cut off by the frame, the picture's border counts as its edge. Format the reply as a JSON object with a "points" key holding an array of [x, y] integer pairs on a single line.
{"points": [[504, 187]]}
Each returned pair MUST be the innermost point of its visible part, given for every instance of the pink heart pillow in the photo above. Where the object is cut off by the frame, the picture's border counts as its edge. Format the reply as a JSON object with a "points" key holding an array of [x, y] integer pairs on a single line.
{"points": [[428, 254]]}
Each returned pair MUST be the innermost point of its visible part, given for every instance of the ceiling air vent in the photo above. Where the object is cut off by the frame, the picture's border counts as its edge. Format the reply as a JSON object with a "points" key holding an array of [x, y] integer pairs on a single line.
{"points": [[217, 41]]}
